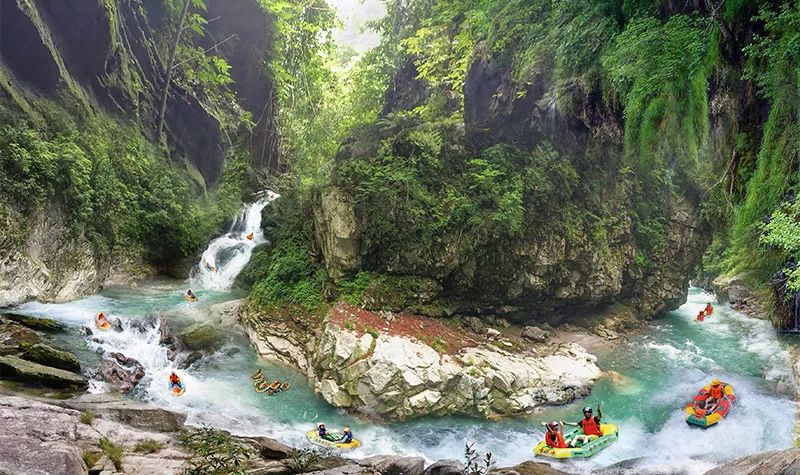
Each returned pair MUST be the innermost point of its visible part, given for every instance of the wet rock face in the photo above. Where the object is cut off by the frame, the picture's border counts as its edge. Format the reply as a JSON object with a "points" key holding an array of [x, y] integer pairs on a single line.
{"points": [[121, 372]]}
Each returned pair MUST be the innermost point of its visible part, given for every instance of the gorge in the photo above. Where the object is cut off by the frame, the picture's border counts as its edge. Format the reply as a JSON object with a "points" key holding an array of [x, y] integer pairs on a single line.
{"points": [[503, 212]]}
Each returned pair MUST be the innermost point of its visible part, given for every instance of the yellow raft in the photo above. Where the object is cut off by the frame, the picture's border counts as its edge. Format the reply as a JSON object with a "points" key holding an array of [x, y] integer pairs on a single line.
{"points": [[315, 439], [596, 444], [190, 299]]}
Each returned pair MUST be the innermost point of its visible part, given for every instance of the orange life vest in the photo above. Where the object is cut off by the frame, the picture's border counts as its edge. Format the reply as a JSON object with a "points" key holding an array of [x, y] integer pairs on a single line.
{"points": [[590, 426], [700, 413], [701, 316], [554, 439], [717, 392], [709, 309]]}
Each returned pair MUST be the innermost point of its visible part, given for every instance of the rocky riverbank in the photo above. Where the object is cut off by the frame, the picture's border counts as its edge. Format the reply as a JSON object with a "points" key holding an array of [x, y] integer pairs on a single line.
{"points": [[107, 435], [399, 366]]}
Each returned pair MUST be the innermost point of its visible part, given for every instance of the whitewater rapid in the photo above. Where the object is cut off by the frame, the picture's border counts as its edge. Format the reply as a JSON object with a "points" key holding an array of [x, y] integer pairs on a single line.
{"points": [[662, 368]]}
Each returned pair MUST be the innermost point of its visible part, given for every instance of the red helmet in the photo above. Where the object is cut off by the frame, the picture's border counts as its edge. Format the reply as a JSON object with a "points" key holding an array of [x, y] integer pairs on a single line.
{"points": [[553, 425]]}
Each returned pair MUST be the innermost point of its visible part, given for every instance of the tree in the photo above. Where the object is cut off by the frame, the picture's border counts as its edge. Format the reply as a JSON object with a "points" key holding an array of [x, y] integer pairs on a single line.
{"points": [[171, 64]]}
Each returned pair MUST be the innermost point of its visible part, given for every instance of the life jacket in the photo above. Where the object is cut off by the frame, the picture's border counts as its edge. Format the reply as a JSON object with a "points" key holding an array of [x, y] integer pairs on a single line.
{"points": [[709, 309], [174, 379], [554, 439], [701, 317], [718, 391], [590, 426], [347, 437], [700, 413]]}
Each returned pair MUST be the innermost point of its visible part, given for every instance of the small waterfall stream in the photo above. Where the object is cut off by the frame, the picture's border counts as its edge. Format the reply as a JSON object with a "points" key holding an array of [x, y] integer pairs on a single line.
{"points": [[228, 254]]}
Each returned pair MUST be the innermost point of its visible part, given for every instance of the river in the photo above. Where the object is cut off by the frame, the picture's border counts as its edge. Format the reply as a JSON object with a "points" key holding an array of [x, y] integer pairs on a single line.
{"points": [[658, 370]]}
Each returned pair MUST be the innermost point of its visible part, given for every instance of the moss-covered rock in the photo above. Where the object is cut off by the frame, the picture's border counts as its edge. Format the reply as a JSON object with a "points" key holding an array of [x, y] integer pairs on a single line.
{"points": [[401, 293], [14, 368], [201, 337], [48, 356], [36, 323]]}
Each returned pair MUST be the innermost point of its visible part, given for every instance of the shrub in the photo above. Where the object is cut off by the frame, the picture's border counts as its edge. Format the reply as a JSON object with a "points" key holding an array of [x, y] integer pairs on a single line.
{"points": [[304, 460], [148, 446], [91, 458], [87, 417], [113, 452], [214, 452]]}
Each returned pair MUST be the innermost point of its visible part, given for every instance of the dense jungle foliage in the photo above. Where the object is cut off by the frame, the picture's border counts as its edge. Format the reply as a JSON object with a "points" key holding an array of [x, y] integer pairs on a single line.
{"points": [[656, 64], [120, 188]]}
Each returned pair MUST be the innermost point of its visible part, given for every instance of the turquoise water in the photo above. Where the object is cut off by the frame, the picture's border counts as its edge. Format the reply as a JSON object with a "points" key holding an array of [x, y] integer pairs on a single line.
{"points": [[656, 373]]}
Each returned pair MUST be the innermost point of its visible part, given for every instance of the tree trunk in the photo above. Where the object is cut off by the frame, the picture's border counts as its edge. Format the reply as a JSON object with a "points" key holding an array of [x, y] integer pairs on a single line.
{"points": [[162, 110]]}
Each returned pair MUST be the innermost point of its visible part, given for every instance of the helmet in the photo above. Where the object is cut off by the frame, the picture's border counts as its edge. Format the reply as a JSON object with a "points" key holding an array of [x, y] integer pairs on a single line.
{"points": [[321, 424], [552, 425], [346, 429], [715, 381], [587, 409]]}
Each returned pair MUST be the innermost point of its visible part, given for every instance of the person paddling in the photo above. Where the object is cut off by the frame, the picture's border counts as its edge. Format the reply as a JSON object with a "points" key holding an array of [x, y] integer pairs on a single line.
{"points": [[174, 379], [553, 437], [701, 316], [590, 424], [709, 309]]}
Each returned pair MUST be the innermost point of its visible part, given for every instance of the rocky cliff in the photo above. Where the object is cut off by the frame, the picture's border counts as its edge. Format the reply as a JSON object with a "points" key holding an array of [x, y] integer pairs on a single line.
{"points": [[64, 65], [578, 249]]}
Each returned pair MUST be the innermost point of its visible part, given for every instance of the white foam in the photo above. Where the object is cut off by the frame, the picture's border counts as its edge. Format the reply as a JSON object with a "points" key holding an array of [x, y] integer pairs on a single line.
{"points": [[227, 255]]}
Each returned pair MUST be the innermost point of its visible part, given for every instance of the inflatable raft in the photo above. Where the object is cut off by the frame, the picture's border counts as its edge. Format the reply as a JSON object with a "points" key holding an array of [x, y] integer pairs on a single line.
{"points": [[315, 439], [694, 415], [596, 444], [190, 299], [177, 389], [104, 325]]}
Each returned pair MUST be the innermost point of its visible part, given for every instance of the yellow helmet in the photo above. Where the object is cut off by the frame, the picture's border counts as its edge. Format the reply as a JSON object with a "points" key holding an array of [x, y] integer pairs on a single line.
{"points": [[715, 381], [346, 429]]}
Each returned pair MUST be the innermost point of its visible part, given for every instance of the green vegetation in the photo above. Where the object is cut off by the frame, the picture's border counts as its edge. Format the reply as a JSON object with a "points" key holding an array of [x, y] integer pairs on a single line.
{"points": [[113, 451], [148, 446], [430, 199], [119, 190], [91, 458], [214, 453], [304, 460], [87, 417]]}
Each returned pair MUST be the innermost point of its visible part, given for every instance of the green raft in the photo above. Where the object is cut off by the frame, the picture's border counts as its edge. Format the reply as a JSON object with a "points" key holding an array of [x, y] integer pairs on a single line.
{"points": [[610, 435]]}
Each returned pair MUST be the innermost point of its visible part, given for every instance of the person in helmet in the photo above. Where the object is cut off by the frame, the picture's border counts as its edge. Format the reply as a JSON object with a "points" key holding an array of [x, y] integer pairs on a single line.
{"points": [[324, 434], [347, 436], [590, 425], [553, 437], [709, 309], [716, 392]]}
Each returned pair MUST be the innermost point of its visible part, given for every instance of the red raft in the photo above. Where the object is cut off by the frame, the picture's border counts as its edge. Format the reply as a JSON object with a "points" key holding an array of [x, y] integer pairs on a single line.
{"points": [[695, 417]]}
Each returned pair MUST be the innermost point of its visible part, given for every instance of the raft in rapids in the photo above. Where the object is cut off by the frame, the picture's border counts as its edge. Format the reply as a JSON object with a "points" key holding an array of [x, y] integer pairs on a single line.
{"points": [[596, 444], [695, 416], [315, 439]]}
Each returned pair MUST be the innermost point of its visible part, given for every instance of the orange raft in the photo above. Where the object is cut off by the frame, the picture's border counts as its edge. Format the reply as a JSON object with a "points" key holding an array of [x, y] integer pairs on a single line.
{"points": [[695, 417], [102, 322]]}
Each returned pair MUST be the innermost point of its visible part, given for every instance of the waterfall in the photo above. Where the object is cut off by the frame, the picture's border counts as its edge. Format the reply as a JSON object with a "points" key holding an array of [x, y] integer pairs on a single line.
{"points": [[227, 255]]}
